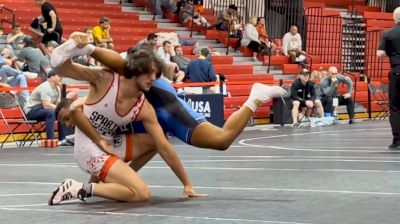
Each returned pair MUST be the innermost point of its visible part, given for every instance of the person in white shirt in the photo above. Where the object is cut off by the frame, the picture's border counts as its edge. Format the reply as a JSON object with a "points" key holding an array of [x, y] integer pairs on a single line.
{"points": [[251, 38], [292, 44], [170, 70]]}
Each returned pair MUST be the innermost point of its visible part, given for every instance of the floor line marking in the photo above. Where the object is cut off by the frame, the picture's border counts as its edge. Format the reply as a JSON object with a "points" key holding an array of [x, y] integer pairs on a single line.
{"points": [[248, 189], [243, 141], [152, 215]]}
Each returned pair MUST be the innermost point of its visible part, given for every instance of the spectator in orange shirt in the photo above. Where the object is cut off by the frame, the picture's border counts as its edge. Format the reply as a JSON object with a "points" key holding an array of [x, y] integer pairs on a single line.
{"points": [[263, 34]]}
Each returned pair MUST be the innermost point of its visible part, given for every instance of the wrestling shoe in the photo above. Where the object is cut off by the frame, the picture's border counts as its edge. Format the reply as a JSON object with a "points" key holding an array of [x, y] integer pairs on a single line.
{"points": [[69, 50], [69, 189], [261, 93]]}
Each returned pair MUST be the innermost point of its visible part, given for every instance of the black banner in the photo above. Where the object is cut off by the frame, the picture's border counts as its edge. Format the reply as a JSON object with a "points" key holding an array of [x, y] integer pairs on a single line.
{"points": [[210, 105]]}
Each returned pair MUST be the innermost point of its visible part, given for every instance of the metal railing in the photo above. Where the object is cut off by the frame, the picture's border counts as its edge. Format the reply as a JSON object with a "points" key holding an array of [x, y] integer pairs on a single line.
{"points": [[323, 35], [4, 9], [280, 15], [386, 5]]}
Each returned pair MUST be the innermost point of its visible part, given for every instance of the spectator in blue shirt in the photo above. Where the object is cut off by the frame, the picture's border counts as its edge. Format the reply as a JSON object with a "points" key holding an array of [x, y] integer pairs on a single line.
{"points": [[201, 70]]}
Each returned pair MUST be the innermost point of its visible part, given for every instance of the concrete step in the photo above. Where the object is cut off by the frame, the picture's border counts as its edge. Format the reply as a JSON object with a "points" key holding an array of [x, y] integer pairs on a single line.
{"points": [[150, 17], [223, 50], [248, 62], [186, 33], [213, 42], [112, 1], [243, 59], [235, 54], [138, 10], [284, 77], [169, 25]]}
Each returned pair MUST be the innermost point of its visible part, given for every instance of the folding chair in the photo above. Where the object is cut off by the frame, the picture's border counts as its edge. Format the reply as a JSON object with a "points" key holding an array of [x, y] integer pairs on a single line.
{"points": [[379, 96], [14, 119]]}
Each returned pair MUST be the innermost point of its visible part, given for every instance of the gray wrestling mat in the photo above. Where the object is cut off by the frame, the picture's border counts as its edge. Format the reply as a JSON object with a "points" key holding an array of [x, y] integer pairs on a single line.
{"points": [[339, 174]]}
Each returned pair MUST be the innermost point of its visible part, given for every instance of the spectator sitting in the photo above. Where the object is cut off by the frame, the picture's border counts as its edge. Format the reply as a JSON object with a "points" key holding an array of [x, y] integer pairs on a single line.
{"points": [[169, 5], [6, 51], [228, 20], [32, 59], [197, 50], [189, 12], [170, 69], [15, 38], [50, 46], [251, 38], [303, 95], [318, 75], [15, 78], [152, 39], [101, 34], [292, 45], [329, 90], [263, 35], [201, 70], [42, 103], [179, 59]]}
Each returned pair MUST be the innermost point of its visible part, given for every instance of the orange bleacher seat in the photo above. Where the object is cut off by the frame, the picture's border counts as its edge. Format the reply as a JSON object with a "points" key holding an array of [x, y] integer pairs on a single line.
{"points": [[239, 90], [379, 23], [277, 60], [233, 69], [219, 60], [291, 68], [378, 15], [251, 77], [247, 52], [232, 42], [212, 34], [34, 82], [188, 50], [173, 17], [238, 101]]}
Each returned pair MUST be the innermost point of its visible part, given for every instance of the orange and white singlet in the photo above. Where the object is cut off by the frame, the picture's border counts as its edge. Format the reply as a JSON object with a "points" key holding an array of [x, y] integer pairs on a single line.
{"points": [[106, 120]]}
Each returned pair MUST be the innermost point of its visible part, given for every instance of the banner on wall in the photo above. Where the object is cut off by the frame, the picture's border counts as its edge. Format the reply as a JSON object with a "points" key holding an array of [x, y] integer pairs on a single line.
{"points": [[210, 105]]}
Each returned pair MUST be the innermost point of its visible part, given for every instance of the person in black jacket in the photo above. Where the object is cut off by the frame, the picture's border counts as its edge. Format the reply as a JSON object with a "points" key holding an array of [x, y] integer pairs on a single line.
{"points": [[51, 24], [303, 95]]}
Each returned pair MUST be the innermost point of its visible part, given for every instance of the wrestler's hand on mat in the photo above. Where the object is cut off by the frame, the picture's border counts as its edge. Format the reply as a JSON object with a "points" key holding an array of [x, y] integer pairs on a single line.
{"points": [[81, 39], [189, 192]]}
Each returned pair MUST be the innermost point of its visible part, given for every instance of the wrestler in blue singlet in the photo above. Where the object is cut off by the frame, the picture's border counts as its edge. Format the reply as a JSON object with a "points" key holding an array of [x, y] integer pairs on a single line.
{"points": [[174, 114]]}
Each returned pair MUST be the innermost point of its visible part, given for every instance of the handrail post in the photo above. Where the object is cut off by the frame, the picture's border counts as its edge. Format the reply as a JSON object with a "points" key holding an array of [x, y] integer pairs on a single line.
{"points": [[191, 27]]}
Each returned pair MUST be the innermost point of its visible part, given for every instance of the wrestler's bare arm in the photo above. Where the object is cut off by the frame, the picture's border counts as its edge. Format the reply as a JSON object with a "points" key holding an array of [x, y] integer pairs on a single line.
{"points": [[84, 124], [149, 119]]}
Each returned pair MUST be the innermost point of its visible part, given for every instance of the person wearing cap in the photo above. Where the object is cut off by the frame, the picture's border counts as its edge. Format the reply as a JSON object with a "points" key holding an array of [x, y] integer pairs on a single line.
{"points": [[42, 103], [101, 34], [329, 91], [303, 95], [32, 59]]}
